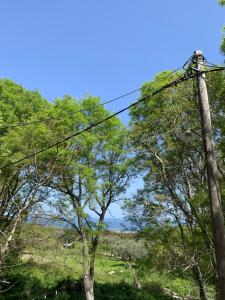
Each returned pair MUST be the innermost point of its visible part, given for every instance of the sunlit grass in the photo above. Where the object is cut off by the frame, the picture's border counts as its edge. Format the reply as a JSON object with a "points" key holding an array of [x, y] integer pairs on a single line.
{"points": [[48, 265]]}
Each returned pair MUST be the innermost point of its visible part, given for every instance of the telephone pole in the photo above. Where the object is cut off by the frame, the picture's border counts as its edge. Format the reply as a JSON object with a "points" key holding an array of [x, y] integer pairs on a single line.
{"points": [[212, 174]]}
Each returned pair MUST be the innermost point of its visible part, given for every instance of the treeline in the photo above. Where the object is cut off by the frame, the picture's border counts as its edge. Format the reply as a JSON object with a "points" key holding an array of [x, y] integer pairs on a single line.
{"points": [[91, 171], [87, 172], [173, 208]]}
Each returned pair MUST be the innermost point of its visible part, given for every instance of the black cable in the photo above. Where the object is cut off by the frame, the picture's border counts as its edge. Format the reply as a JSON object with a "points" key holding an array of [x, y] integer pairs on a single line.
{"points": [[82, 110], [210, 64], [214, 70], [69, 114], [187, 62], [173, 83]]}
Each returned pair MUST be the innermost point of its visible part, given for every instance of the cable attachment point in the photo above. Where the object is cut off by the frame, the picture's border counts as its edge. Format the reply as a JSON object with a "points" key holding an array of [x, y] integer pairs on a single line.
{"points": [[197, 57]]}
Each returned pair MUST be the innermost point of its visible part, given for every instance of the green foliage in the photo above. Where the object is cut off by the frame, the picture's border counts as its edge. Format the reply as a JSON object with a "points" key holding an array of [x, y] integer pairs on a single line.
{"points": [[18, 106], [18, 184], [93, 170], [173, 208], [87, 156], [89, 171], [127, 249], [222, 2], [223, 42], [48, 268], [222, 47]]}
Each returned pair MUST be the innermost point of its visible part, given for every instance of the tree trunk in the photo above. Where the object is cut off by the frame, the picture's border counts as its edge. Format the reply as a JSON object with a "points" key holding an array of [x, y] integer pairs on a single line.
{"points": [[137, 284], [89, 261], [88, 273], [200, 282], [88, 287]]}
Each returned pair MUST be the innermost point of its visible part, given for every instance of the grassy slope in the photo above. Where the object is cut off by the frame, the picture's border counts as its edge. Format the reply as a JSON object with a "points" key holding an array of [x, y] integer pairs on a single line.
{"points": [[47, 266]]}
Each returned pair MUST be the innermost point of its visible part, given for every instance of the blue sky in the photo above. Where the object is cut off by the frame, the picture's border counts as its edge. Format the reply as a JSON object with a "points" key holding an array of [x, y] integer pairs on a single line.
{"points": [[103, 48]]}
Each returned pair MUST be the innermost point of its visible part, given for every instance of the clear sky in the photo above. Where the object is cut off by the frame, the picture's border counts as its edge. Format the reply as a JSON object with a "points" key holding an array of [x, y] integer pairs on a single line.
{"points": [[103, 47]]}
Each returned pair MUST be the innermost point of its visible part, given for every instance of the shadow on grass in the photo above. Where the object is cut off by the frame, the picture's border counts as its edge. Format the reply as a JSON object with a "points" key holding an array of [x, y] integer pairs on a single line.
{"points": [[123, 291], [28, 288], [120, 264]]}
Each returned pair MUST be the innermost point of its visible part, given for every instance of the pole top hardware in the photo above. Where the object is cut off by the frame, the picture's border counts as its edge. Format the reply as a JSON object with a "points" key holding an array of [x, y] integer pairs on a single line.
{"points": [[198, 52]]}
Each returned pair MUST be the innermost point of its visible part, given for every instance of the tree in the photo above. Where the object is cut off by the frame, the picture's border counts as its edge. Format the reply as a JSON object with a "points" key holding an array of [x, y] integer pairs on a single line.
{"points": [[166, 135], [91, 172], [20, 184], [222, 3]]}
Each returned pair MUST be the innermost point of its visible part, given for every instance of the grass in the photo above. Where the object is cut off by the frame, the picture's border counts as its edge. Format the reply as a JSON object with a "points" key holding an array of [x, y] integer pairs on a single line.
{"points": [[47, 266]]}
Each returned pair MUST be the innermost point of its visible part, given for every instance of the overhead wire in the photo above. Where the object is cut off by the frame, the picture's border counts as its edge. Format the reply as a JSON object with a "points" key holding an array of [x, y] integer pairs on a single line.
{"points": [[175, 82], [210, 64], [148, 97], [215, 70], [81, 110], [69, 114], [187, 63]]}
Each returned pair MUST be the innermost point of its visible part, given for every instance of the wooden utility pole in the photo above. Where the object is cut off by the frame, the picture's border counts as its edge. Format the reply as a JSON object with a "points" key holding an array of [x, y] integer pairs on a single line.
{"points": [[212, 173]]}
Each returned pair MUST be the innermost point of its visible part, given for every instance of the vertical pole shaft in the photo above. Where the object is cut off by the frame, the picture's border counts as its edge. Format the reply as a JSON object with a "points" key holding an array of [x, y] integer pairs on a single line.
{"points": [[213, 180]]}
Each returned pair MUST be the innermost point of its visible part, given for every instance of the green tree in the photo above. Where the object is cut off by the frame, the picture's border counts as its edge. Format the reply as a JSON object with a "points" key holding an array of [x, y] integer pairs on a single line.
{"points": [[18, 189], [166, 134], [131, 250], [222, 3], [91, 172]]}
